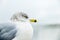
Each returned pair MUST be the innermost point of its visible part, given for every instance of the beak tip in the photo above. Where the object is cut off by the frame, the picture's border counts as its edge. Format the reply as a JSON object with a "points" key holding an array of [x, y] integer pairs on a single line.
{"points": [[35, 20]]}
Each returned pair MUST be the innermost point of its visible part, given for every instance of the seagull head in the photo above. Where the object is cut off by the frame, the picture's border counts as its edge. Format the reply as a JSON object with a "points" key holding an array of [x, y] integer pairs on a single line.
{"points": [[23, 17]]}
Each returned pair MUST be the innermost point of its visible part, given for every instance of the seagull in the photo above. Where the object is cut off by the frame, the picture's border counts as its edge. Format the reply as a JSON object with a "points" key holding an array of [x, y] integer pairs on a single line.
{"points": [[19, 28]]}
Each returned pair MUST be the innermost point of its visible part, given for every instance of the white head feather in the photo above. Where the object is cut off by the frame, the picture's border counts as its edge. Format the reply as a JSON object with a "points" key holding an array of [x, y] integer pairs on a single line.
{"points": [[19, 17]]}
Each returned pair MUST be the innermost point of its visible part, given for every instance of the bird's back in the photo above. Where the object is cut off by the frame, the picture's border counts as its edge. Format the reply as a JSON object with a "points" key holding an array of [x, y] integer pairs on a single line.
{"points": [[7, 31]]}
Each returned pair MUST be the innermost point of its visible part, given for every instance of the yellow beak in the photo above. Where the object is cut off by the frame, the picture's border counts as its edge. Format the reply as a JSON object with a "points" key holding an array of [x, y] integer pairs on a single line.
{"points": [[33, 20]]}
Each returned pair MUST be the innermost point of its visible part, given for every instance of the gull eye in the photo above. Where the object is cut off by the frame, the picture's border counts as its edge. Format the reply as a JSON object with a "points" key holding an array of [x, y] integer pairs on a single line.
{"points": [[25, 16]]}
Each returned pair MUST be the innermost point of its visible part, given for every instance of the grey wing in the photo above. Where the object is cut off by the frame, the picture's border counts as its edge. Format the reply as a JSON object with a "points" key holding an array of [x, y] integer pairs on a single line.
{"points": [[7, 31]]}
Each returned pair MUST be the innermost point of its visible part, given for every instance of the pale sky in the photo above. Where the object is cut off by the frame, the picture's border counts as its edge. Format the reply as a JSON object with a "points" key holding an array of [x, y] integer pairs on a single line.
{"points": [[47, 11]]}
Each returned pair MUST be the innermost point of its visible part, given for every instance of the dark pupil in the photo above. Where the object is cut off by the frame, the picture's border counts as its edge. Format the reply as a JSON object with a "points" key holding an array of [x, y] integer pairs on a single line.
{"points": [[26, 16]]}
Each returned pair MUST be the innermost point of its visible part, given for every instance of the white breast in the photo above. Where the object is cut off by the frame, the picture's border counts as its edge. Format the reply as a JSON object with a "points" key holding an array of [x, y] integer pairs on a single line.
{"points": [[25, 31]]}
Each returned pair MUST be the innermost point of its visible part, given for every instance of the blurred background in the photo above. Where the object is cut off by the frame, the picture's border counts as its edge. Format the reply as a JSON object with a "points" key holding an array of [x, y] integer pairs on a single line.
{"points": [[45, 11]]}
